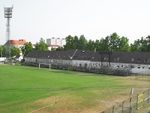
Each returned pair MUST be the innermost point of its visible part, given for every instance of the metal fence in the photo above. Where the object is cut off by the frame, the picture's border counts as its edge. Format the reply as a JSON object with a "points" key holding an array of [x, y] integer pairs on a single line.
{"points": [[131, 104]]}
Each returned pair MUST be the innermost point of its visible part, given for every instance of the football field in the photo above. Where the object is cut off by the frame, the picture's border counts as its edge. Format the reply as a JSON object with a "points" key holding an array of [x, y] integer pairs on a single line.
{"points": [[31, 90]]}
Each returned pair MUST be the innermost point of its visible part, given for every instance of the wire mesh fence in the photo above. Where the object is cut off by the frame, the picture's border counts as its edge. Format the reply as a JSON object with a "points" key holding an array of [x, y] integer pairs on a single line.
{"points": [[109, 110], [117, 109], [131, 104]]}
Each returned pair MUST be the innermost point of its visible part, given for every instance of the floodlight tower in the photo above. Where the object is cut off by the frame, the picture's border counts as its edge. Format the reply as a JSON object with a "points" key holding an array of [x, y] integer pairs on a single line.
{"points": [[8, 15]]}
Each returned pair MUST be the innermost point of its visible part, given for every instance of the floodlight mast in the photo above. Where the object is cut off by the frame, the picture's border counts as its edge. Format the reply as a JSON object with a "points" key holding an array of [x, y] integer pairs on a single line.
{"points": [[8, 15]]}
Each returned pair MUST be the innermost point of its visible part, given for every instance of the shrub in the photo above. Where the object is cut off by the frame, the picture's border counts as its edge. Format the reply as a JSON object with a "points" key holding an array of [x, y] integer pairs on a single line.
{"points": [[70, 68]]}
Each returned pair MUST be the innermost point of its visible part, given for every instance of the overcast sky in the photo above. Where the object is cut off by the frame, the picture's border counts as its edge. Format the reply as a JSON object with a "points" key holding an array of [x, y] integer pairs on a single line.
{"points": [[33, 19]]}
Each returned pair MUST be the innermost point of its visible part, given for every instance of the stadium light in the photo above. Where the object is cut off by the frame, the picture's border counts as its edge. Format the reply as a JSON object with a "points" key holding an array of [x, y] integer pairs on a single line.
{"points": [[8, 15]]}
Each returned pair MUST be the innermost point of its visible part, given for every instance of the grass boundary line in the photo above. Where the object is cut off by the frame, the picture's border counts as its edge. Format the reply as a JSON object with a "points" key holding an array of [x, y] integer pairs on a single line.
{"points": [[43, 107], [102, 101]]}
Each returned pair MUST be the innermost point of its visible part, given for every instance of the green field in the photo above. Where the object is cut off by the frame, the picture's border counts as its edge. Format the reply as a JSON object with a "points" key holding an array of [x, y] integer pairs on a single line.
{"points": [[25, 89]]}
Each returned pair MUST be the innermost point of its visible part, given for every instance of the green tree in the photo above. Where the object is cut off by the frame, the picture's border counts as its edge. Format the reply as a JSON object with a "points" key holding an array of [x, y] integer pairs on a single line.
{"points": [[82, 42], [114, 42], [123, 44], [90, 45], [41, 46], [104, 44], [69, 43], [27, 48], [53, 49], [75, 42], [135, 46], [15, 51], [1, 51], [97, 45], [60, 49], [140, 45], [143, 45], [148, 42]]}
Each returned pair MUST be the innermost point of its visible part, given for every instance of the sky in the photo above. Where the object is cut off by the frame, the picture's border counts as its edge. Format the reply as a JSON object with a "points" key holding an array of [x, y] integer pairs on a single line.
{"points": [[95, 19]]}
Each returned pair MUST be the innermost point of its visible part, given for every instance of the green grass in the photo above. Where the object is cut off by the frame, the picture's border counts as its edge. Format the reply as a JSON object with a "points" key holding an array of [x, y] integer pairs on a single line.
{"points": [[21, 88]]}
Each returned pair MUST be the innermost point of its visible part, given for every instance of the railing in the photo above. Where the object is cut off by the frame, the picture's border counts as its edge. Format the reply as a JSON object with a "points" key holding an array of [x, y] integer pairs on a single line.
{"points": [[131, 104]]}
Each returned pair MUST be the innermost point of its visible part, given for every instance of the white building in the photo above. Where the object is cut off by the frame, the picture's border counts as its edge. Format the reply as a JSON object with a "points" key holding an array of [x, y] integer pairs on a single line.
{"points": [[138, 62], [56, 41]]}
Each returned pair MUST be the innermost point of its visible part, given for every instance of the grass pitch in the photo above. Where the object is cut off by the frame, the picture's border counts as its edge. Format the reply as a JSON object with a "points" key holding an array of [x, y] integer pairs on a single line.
{"points": [[29, 89]]}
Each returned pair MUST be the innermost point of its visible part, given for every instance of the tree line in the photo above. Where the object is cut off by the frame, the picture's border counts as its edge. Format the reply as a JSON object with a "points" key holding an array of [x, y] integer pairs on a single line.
{"points": [[112, 42]]}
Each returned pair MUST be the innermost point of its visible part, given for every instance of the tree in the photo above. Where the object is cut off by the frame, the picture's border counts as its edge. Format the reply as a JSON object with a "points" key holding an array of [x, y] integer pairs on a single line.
{"points": [[114, 42], [143, 45], [15, 51], [135, 46], [69, 43], [148, 42], [90, 45], [104, 44], [75, 42], [82, 42], [140, 45], [97, 45], [53, 49], [41, 46], [123, 44], [60, 49], [3, 50], [27, 48]]}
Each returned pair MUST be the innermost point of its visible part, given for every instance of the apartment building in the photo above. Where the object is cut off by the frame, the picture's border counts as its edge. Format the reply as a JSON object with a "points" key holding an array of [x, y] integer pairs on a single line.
{"points": [[56, 41]]}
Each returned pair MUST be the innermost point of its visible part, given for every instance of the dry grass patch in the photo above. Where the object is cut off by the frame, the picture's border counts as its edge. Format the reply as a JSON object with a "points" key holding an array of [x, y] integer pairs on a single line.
{"points": [[68, 104]]}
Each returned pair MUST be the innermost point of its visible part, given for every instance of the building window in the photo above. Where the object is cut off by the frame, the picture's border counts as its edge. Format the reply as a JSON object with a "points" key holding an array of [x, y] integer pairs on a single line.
{"points": [[138, 67], [118, 59], [132, 59], [105, 58], [143, 67], [138, 60]]}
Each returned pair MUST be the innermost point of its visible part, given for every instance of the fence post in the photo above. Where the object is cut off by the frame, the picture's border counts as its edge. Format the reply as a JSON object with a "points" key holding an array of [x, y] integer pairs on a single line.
{"points": [[122, 106], [137, 102], [130, 105], [39, 65], [113, 109], [143, 98], [148, 95]]}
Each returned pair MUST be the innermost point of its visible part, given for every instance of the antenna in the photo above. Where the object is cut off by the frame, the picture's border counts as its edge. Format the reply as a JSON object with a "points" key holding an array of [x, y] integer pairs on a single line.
{"points": [[8, 15]]}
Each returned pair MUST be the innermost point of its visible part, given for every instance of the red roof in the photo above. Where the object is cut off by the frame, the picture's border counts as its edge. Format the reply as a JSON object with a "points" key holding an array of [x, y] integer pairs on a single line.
{"points": [[49, 45], [54, 45], [17, 42]]}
